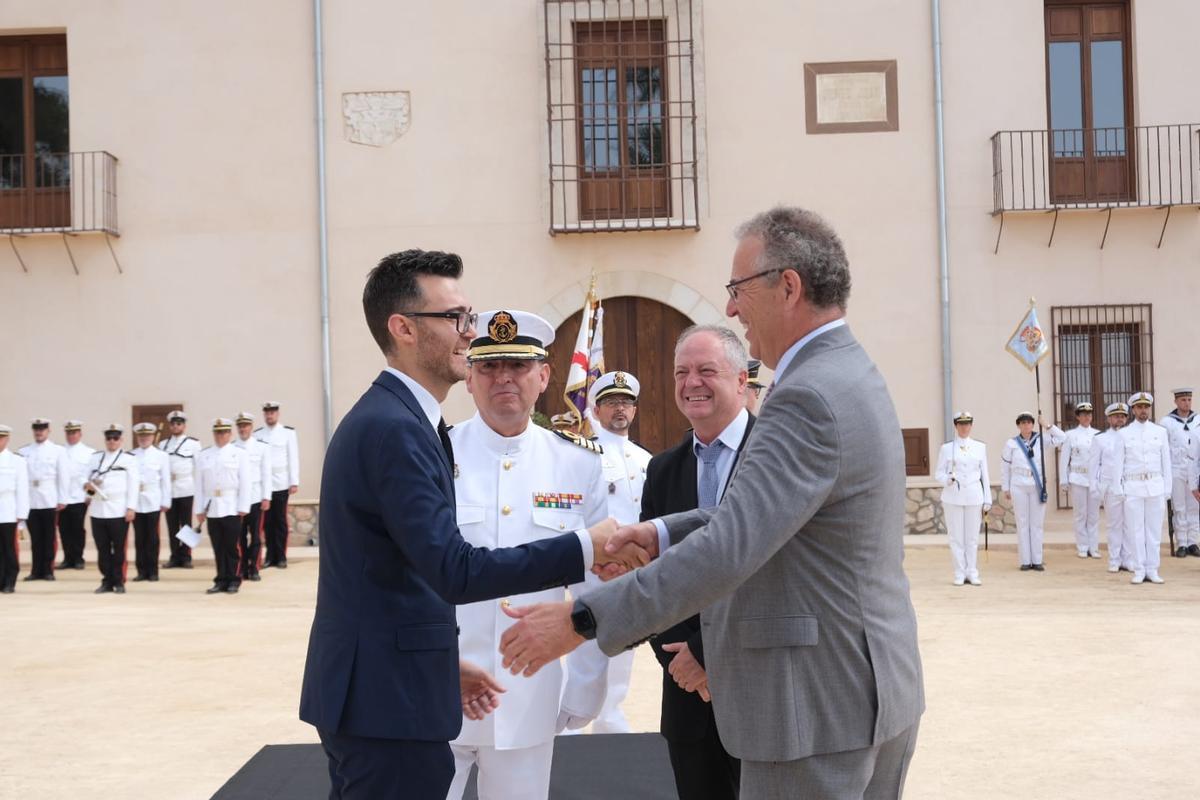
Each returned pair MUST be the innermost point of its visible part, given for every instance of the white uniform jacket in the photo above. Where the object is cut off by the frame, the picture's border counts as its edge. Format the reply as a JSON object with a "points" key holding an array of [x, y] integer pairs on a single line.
{"points": [[49, 473], [1099, 458], [222, 482], [259, 455], [116, 478], [182, 450], [1076, 448], [1014, 466], [1141, 461], [154, 489], [1181, 431], [79, 457], [962, 469], [14, 487], [512, 491], [1193, 464], [624, 467], [285, 455]]}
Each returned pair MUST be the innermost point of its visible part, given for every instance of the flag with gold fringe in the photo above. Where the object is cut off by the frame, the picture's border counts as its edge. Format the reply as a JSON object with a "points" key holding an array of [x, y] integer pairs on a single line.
{"points": [[1028, 343]]}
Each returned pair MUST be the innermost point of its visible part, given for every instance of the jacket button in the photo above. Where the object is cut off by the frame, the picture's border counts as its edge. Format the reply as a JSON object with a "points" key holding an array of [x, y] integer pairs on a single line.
{"points": [[561, 526], [507, 465], [506, 510]]}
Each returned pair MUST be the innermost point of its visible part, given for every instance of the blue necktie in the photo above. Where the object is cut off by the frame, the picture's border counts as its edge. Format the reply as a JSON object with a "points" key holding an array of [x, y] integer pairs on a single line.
{"points": [[708, 475]]}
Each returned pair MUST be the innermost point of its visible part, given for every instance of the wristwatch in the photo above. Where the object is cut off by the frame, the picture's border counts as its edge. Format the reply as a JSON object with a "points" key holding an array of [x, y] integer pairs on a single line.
{"points": [[583, 621]]}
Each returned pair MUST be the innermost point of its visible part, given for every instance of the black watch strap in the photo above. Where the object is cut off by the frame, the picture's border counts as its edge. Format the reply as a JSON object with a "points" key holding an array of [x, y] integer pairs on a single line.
{"points": [[583, 621]]}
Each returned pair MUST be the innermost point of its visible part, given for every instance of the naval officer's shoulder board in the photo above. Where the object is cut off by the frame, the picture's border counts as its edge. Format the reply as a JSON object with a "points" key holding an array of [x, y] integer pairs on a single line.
{"points": [[579, 441]]}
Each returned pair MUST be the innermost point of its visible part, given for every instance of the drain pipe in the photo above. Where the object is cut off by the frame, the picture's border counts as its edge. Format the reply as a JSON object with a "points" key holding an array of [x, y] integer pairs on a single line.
{"points": [[943, 245], [322, 222]]}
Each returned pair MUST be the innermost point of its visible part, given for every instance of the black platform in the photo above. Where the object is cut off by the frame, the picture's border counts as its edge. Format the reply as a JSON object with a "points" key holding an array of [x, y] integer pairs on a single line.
{"points": [[591, 767]]}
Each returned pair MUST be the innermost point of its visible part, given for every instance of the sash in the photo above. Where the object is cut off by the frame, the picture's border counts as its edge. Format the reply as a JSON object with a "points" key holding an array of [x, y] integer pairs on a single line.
{"points": [[1037, 477]]}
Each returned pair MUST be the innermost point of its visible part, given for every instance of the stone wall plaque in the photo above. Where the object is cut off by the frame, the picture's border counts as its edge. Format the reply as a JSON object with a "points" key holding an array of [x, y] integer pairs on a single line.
{"points": [[375, 118], [851, 97]]}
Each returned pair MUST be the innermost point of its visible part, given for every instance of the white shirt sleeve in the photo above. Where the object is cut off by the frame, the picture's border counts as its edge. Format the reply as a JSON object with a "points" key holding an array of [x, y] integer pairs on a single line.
{"points": [[293, 451], [986, 479], [243, 496], [133, 483], [63, 475], [164, 477], [265, 469], [22, 489]]}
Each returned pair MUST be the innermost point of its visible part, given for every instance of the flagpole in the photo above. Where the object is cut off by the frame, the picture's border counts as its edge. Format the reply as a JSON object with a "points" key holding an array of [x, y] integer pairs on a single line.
{"points": [[1037, 377]]}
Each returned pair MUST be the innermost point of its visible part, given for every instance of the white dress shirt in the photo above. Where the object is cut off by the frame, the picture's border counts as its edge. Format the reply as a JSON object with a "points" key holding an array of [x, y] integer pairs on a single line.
{"points": [[154, 473], [260, 467], [49, 473], [14, 487], [285, 455], [222, 482], [79, 455]]}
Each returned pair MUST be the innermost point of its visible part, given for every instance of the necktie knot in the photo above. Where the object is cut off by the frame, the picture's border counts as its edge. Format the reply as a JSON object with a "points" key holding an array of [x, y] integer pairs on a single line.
{"points": [[709, 453]]}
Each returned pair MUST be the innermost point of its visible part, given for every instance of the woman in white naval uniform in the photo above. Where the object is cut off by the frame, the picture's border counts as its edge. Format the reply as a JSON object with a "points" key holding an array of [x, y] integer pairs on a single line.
{"points": [[516, 483], [1023, 482], [1075, 451], [962, 469]]}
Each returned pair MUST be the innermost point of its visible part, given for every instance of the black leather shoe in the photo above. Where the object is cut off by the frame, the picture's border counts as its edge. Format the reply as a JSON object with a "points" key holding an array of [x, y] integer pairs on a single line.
{"points": [[80, 565], [6, 590], [254, 577], [186, 565], [1194, 549], [119, 589], [49, 577], [1026, 567], [1039, 567], [231, 590], [139, 579], [213, 590], [152, 578], [170, 565], [65, 565], [31, 578], [104, 587], [268, 564], [281, 564], [1181, 552]]}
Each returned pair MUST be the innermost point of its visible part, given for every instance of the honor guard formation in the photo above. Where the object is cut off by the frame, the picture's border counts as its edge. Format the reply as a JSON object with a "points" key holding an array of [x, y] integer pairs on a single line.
{"points": [[238, 488]]}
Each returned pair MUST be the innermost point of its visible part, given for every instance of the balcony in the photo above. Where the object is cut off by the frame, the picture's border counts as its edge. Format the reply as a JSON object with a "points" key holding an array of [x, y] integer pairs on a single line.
{"points": [[65, 193]]}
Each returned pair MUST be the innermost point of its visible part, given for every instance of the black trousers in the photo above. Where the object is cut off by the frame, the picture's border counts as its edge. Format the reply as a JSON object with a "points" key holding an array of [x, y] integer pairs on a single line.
{"points": [[276, 528], [223, 532], [146, 543], [250, 539], [112, 537], [703, 770], [179, 515], [72, 533], [361, 768], [9, 561], [42, 523]]}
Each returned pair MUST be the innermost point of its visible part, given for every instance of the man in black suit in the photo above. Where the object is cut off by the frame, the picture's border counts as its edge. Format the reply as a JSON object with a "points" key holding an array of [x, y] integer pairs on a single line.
{"points": [[710, 390], [382, 679]]}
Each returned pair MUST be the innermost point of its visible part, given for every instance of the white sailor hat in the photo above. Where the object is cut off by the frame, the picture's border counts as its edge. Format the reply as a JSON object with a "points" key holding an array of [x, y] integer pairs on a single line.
{"points": [[244, 418], [1184, 391], [1025, 415], [1084, 407], [1141, 399], [39, 422], [963, 416], [221, 424], [511, 335], [5, 430], [72, 425], [270, 405], [172, 416], [145, 429], [611, 384], [1116, 408], [114, 427]]}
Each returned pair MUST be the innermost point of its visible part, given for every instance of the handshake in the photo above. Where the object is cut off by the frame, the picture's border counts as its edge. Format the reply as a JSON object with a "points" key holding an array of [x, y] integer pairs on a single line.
{"points": [[618, 549]]}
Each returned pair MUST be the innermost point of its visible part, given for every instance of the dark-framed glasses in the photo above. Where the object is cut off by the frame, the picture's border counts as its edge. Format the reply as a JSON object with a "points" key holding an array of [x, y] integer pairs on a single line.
{"points": [[618, 402], [111, 437], [731, 287], [463, 320]]}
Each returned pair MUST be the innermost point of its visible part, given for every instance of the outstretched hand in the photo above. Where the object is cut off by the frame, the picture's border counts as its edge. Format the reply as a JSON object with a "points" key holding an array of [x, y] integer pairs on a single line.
{"points": [[480, 690], [542, 634]]}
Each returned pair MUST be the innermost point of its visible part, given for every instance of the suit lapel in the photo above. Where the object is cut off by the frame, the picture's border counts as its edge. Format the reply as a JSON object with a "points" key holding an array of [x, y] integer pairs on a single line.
{"points": [[737, 457], [391, 383]]}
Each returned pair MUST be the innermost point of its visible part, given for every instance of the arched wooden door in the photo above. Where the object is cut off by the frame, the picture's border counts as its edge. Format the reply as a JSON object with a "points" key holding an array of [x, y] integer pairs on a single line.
{"points": [[639, 337]]}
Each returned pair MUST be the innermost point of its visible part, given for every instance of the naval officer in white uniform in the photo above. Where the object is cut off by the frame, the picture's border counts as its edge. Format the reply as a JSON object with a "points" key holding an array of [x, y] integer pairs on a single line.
{"points": [[1023, 481], [515, 483], [1073, 456], [1120, 556], [1141, 473], [967, 496]]}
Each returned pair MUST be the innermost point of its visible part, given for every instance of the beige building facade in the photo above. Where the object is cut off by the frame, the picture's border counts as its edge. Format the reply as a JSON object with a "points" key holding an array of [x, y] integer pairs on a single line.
{"points": [[546, 141]]}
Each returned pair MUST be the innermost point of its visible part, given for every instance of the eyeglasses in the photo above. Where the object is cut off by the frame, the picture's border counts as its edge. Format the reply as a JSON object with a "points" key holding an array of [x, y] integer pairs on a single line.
{"points": [[463, 320], [731, 287], [618, 402], [112, 437]]}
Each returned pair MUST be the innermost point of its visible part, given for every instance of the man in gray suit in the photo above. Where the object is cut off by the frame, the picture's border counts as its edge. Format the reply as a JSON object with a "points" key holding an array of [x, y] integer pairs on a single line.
{"points": [[810, 635]]}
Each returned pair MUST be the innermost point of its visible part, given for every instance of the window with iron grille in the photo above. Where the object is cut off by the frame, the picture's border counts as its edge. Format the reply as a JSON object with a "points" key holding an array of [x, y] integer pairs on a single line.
{"points": [[620, 84], [1101, 355]]}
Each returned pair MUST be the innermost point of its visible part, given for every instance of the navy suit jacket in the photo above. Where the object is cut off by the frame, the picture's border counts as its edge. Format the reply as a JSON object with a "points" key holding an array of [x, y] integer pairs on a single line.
{"points": [[383, 651]]}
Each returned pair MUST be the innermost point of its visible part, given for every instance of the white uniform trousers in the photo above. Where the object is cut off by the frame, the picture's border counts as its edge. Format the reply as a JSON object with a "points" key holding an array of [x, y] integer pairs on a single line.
{"points": [[611, 718], [1143, 527], [1120, 553], [520, 774], [1086, 506], [1186, 512], [1031, 517], [962, 525]]}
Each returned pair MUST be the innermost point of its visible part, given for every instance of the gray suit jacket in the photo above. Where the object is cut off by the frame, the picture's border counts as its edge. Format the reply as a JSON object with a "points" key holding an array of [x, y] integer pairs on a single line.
{"points": [[810, 637]]}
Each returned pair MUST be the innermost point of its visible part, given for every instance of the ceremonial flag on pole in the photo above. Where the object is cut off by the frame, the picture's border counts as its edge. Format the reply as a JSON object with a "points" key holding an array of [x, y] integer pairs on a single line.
{"points": [[575, 391], [1027, 343], [596, 352]]}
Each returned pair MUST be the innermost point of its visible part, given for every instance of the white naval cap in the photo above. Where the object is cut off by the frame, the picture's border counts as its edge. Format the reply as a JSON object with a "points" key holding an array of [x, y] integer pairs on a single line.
{"points": [[270, 405], [176, 415], [39, 422], [611, 384], [511, 335], [222, 424], [5, 430], [114, 427], [1085, 406], [1141, 399], [1116, 408], [1183, 391], [145, 429], [244, 418], [963, 416], [72, 425]]}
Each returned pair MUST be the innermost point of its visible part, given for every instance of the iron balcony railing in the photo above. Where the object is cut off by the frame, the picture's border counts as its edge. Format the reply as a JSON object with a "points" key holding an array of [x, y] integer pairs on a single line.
{"points": [[58, 193], [1154, 166]]}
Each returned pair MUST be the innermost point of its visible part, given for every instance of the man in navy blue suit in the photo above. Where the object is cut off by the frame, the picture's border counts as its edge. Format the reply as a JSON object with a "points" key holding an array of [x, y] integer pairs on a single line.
{"points": [[381, 682]]}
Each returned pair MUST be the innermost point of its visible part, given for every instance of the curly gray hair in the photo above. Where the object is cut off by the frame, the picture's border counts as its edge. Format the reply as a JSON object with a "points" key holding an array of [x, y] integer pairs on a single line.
{"points": [[801, 241]]}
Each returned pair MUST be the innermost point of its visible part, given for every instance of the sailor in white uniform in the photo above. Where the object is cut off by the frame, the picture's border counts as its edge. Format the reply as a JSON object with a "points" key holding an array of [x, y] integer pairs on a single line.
{"points": [[112, 485], [154, 498], [182, 450], [1120, 556], [1075, 448], [223, 497], [14, 509], [1141, 473], [71, 528], [1024, 483], [1181, 425], [962, 469]]}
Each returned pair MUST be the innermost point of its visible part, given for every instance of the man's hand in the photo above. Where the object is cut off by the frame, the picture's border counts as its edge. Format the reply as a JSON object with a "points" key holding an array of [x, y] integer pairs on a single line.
{"points": [[165, 509], [542, 634], [686, 670], [1196, 493], [241, 514], [293, 489], [626, 555], [640, 534], [199, 521], [130, 514], [265, 505], [60, 507], [480, 690]]}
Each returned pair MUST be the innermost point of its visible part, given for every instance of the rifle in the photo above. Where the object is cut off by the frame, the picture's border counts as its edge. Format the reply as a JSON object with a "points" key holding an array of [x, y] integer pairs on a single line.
{"points": [[1171, 525]]}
